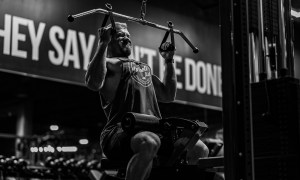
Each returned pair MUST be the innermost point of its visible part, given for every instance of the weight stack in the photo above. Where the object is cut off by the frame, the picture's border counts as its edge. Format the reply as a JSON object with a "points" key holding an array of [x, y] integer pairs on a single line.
{"points": [[276, 129]]}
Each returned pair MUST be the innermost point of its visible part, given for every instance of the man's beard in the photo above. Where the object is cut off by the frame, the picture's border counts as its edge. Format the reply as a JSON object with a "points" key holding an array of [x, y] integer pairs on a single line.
{"points": [[125, 48]]}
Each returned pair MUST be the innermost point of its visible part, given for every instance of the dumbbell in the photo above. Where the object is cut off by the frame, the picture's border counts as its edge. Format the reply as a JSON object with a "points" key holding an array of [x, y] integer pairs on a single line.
{"points": [[20, 164], [70, 165], [2, 162], [9, 164], [49, 162], [81, 166], [93, 164]]}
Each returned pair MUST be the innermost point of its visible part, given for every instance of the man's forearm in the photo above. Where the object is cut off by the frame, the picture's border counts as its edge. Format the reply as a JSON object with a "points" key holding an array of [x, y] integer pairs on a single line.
{"points": [[170, 80], [96, 71]]}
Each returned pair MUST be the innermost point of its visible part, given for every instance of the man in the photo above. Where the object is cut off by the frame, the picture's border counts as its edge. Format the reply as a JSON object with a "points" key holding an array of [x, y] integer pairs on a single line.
{"points": [[126, 85]]}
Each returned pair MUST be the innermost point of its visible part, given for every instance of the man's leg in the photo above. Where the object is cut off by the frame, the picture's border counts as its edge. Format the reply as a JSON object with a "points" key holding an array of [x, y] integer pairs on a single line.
{"points": [[145, 146], [200, 150]]}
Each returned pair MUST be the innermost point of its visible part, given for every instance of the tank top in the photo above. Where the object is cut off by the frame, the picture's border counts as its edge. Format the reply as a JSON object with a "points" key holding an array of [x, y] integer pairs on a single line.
{"points": [[135, 93]]}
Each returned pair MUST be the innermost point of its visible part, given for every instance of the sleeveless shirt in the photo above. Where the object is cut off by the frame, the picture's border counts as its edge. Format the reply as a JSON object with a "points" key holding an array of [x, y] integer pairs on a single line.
{"points": [[135, 93]]}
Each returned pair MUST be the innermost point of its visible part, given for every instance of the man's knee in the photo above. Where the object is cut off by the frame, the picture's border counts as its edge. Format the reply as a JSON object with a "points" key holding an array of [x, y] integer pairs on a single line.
{"points": [[200, 150], [145, 142], [203, 148]]}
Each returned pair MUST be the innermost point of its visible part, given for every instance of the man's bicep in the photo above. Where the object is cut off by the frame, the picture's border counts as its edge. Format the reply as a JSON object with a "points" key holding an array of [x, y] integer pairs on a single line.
{"points": [[106, 89], [111, 82], [159, 88]]}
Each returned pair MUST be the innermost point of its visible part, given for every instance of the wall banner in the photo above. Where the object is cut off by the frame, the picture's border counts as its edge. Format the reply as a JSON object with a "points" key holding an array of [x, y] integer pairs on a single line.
{"points": [[37, 40]]}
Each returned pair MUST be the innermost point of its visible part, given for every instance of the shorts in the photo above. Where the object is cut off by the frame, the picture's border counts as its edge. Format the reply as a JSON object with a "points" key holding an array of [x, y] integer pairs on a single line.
{"points": [[117, 146]]}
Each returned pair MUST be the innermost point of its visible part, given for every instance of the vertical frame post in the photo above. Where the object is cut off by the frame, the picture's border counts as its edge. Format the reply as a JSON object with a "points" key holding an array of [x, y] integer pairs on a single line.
{"points": [[237, 119]]}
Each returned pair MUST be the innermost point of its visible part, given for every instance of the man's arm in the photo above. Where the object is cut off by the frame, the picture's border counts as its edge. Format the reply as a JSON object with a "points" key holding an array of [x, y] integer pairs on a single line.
{"points": [[166, 90], [97, 69]]}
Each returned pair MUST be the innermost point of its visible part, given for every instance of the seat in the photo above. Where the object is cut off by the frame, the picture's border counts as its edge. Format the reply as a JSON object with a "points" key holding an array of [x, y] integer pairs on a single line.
{"points": [[184, 135]]}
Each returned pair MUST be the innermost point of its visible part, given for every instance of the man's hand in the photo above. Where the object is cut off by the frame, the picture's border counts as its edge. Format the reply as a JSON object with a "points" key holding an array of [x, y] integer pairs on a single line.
{"points": [[167, 50], [105, 34]]}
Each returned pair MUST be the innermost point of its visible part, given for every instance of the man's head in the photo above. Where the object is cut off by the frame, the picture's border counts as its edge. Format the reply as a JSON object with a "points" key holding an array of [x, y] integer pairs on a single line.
{"points": [[120, 44]]}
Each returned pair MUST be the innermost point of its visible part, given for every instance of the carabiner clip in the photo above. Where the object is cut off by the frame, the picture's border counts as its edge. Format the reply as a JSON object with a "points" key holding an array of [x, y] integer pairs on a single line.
{"points": [[110, 15]]}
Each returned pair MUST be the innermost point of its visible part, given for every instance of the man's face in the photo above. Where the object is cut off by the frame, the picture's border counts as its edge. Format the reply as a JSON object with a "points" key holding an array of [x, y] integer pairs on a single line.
{"points": [[121, 45]]}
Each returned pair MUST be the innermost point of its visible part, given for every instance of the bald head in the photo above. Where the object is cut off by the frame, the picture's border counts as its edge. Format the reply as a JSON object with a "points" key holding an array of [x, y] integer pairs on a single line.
{"points": [[119, 26]]}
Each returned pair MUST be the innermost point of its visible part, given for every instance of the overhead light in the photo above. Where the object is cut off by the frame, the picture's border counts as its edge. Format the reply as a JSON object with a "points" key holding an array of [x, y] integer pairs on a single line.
{"points": [[58, 149], [69, 149], [41, 149], [54, 127], [296, 14], [48, 149], [83, 141], [34, 149]]}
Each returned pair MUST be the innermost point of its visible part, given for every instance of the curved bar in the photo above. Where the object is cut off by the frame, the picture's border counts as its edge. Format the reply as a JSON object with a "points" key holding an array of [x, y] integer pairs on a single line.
{"points": [[195, 49], [71, 18]]}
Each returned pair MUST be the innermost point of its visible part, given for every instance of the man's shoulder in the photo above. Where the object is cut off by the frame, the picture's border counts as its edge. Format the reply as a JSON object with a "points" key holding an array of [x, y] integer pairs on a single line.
{"points": [[113, 60], [120, 60]]}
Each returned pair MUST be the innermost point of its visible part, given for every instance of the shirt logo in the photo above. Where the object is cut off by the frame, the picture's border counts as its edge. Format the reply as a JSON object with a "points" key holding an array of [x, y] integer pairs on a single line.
{"points": [[141, 73]]}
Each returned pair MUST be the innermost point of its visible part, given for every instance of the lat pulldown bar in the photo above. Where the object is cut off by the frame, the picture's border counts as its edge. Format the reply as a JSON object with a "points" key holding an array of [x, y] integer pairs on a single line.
{"points": [[109, 13]]}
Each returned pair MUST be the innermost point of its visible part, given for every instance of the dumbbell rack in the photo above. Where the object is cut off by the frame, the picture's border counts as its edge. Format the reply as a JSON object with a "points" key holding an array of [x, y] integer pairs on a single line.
{"points": [[52, 168]]}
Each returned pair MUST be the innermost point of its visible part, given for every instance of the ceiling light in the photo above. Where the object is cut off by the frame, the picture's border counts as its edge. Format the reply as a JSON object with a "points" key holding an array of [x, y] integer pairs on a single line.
{"points": [[54, 127], [83, 141]]}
